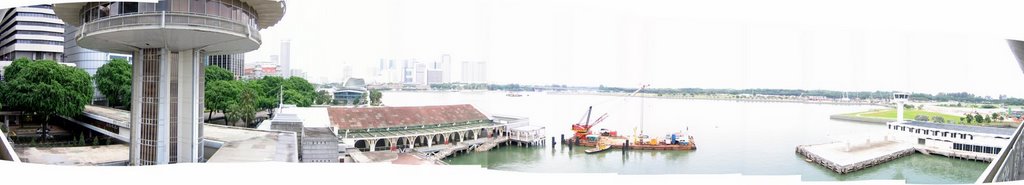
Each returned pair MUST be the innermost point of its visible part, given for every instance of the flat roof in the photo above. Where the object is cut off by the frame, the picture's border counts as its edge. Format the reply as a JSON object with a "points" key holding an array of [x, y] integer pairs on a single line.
{"points": [[965, 128], [251, 145], [318, 132], [111, 115], [310, 116], [81, 156]]}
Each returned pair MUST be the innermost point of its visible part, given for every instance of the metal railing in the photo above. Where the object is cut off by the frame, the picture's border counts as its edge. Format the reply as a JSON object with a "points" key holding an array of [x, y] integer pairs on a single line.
{"points": [[1009, 165], [165, 19]]}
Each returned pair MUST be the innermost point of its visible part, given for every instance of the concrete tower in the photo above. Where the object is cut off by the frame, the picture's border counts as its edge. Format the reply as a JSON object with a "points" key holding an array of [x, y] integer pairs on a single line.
{"points": [[168, 41], [900, 99]]}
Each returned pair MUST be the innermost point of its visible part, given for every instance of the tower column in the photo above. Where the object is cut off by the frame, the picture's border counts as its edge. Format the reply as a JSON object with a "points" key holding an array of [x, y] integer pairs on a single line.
{"points": [[166, 108]]}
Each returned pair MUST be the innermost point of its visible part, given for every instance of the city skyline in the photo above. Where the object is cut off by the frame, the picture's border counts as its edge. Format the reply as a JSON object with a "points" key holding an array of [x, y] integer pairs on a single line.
{"points": [[610, 43]]}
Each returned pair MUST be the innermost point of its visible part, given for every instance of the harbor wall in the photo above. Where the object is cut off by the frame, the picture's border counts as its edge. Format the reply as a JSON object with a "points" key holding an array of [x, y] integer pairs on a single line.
{"points": [[859, 119]]}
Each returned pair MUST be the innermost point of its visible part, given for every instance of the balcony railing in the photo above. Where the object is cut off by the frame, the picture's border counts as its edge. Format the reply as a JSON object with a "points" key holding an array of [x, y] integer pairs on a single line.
{"points": [[164, 19]]}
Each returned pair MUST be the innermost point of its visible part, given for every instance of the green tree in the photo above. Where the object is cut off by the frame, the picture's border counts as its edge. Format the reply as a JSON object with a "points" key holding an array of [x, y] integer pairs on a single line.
{"points": [[298, 91], [215, 73], [375, 97], [969, 117], [114, 80], [271, 88], [245, 109], [45, 87], [220, 95], [978, 118], [322, 97]]}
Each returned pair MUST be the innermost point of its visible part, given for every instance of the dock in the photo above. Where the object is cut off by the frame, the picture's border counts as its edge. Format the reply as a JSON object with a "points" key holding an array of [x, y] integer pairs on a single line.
{"points": [[844, 157]]}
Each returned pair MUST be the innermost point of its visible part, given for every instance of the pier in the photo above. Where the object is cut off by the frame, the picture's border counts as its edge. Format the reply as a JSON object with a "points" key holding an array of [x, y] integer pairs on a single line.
{"points": [[843, 157]]}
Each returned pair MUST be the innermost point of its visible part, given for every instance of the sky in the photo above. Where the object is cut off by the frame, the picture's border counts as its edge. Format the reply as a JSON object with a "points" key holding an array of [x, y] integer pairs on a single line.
{"points": [[867, 45]]}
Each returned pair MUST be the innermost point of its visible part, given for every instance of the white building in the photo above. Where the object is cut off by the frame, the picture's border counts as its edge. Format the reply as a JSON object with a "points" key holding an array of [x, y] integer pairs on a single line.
{"points": [[474, 72], [446, 68], [982, 143], [32, 32], [286, 58], [167, 84]]}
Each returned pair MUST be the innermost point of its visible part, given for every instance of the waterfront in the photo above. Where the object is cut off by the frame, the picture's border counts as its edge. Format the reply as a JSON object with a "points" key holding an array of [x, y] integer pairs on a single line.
{"points": [[735, 137]]}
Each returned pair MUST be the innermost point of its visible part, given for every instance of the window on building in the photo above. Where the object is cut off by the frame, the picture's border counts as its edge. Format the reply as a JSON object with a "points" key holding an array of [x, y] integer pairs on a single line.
{"points": [[129, 7]]}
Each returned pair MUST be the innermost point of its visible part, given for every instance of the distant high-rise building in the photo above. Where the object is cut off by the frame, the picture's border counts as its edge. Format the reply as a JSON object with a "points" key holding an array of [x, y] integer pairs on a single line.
{"points": [[474, 72], [286, 58], [421, 73], [298, 73], [434, 76], [346, 72], [32, 32], [87, 59], [446, 68], [233, 62]]}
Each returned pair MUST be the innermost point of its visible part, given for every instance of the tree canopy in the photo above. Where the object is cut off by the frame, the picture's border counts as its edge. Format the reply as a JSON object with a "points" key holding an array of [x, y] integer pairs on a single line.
{"points": [[220, 95], [114, 81], [45, 87], [215, 73]]}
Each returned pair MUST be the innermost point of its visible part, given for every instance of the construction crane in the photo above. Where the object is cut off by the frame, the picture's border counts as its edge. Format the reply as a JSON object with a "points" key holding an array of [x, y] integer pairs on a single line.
{"points": [[582, 127]]}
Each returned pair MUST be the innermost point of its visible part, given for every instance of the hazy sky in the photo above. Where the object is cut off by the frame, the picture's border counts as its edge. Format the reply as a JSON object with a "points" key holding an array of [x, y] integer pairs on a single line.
{"points": [[918, 46]]}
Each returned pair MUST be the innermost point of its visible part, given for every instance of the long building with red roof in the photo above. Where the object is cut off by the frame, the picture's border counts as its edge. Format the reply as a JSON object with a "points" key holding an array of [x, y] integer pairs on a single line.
{"points": [[375, 128]]}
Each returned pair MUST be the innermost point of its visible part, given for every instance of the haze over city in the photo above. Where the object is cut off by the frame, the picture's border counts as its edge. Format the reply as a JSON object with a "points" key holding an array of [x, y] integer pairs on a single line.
{"points": [[612, 43]]}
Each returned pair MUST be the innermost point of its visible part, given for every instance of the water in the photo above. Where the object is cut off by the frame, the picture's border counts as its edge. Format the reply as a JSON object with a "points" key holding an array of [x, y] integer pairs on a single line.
{"points": [[732, 137]]}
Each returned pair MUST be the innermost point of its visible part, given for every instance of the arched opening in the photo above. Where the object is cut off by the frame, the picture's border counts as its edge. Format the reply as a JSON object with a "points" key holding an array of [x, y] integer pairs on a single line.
{"points": [[381, 144], [402, 143], [455, 137], [361, 145], [438, 139], [421, 141]]}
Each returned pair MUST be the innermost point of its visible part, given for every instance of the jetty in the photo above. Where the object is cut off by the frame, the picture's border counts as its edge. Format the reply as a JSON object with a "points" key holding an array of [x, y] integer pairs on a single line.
{"points": [[845, 157]]}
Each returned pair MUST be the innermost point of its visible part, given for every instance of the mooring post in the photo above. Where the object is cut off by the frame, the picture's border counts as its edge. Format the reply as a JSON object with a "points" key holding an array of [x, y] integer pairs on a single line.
{"points": [[625, 147], [552, 141], [563, 139]]}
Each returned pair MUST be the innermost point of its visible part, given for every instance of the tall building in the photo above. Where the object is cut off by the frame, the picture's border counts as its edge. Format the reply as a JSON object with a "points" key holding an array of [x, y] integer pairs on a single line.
{"points": [[474, 72], [32, 32], [446, 68], [286, 66], [420, 71], [232, 62], [87, 59], [168, 41]]}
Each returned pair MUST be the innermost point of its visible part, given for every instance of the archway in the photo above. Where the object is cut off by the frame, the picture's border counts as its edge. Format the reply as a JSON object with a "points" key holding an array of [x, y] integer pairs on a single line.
{"points": [[402, 143], [421, 141], [455, 137], [361, 145], [381, 144]]}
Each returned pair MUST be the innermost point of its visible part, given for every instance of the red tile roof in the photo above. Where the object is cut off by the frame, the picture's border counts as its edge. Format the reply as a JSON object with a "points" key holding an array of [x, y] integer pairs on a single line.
{"points": [[383, 117]]}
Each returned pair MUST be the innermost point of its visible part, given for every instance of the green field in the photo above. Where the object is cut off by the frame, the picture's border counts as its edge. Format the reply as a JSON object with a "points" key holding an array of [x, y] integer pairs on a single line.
{"points": [[908, 114]]}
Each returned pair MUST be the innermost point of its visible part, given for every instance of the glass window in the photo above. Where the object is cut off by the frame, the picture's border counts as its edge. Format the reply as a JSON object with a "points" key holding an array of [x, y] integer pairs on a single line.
{"points": [[212, 7], [161, 5], [197, 6], [130, 7], [179, 5], [147, 7], [225, 10]]}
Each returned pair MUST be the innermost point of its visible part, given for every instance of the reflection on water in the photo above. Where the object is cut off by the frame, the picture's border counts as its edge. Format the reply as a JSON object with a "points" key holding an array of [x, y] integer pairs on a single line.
{"points": [[733, 137]]}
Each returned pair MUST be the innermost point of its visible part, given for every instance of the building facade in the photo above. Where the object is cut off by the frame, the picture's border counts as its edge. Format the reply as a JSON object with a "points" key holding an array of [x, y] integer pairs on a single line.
{"points": [[167, 84], [232, 62], [87, 59], [286, 58], [32, 32]]}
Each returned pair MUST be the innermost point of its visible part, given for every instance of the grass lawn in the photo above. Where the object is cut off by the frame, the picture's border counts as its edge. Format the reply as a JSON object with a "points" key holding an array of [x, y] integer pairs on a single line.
{"points": [[908, 114]]}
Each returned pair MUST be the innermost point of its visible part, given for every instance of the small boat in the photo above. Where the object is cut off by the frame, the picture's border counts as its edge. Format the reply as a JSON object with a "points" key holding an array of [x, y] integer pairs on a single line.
{"points": [[513, 94], [598, 148]]}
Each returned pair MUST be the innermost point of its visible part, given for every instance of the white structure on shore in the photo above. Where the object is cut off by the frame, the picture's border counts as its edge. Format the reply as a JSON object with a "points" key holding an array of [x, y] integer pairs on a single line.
{"points": [[962, 141]]}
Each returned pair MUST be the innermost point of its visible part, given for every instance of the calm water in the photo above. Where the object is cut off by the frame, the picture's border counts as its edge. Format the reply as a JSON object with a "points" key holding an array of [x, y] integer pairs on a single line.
{"points": [[732, 137]]}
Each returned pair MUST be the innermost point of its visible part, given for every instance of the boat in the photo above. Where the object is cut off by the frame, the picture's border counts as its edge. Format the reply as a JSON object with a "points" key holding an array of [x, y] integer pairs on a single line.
{"points": [[599, 148], [514, 94]]}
